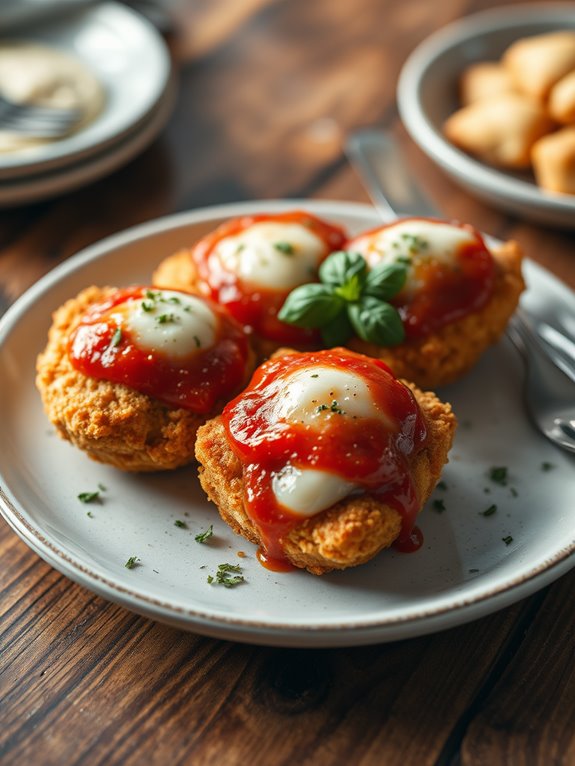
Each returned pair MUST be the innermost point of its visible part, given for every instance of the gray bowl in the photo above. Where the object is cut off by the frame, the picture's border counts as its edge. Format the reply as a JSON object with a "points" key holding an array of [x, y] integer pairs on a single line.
{"points": [[427, 95]]}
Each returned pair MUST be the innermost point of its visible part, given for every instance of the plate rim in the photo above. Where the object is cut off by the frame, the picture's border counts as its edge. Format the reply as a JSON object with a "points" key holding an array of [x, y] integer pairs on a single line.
{"points": [[454, 161], [357, 632]]}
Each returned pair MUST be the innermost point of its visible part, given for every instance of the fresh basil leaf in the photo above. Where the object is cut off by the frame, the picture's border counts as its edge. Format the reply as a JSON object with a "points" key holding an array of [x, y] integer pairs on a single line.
{"points": [[351, 290], [312, 305], [384, 282], [338, 331], [376, 322], [341, 267]]}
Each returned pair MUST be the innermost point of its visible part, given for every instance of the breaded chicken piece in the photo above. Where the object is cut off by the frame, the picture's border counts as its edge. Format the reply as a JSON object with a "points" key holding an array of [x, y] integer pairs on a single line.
{"points": [[448, 353], [111, 422], [350, 532]]}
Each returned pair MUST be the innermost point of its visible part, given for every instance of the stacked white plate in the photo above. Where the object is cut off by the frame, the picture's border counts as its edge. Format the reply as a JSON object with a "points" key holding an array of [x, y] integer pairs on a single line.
{"points": [[131, 60]]}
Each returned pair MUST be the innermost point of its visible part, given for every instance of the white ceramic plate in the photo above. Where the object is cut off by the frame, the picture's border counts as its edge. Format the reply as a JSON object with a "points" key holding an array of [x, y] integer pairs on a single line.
{"points": [[463, 571], [129, 58], [427, 95], [46, 185]]}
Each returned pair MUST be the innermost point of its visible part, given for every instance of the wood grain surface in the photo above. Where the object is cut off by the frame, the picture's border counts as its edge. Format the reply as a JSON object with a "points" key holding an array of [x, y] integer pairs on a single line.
{"points": [[268, 89]]}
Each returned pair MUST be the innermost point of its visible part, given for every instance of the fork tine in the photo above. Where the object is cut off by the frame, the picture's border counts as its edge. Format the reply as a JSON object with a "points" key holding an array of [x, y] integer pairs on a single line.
{"points": [[40, 121], [40, 113], [530, 333]]}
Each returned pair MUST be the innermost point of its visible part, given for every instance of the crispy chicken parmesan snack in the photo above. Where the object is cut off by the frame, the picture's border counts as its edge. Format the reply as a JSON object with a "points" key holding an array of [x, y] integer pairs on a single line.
{"points": [[325, 459], [129, 375], [456, 301]]}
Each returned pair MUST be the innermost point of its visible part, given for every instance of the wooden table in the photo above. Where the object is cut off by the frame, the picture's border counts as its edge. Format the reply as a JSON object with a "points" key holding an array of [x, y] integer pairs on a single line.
{"points": [[267, 92]]}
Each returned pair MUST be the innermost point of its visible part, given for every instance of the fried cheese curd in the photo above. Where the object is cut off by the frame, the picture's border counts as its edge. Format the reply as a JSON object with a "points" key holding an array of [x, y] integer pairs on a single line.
{"points": [[457, 300], [250, 264], [325, 459], [129, 375]]}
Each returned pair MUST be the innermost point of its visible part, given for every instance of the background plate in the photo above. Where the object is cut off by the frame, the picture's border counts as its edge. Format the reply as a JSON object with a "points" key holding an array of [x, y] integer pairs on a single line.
{"points": [[427, 95], [129, 58], [463, 571]]}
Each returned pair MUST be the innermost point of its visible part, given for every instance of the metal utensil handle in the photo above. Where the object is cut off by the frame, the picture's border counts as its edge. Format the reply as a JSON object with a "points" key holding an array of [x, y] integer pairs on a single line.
{"points": [[392, 189]]}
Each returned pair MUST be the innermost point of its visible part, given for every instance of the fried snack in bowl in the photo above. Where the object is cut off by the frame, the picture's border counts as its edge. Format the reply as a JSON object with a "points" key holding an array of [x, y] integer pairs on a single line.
{"points": [[484, 80], [554, 161], [562, 100], [500, 130], [250, 264], [537, 63], [325, 459], [129, 375]]}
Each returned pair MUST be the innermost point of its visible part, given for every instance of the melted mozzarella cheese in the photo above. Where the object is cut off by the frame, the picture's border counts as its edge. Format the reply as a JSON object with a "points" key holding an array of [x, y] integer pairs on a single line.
{"points": [[306, 491], [416, 240], [273, 255], [171, 322], [310, 396]]}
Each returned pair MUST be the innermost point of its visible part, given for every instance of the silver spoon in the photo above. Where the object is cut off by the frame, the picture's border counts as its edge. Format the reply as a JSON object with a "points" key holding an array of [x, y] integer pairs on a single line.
{"points": [[549, 394]]}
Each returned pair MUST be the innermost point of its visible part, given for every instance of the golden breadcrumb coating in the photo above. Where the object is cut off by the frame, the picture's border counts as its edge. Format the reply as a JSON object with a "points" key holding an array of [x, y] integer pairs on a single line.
{"points": [[111, 422], [447, 354], [177, 272], [350, 532]]}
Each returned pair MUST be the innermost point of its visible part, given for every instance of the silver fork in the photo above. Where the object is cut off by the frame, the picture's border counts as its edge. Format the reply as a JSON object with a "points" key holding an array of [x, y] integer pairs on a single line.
{"points": [[549, 355], [37, 121]]}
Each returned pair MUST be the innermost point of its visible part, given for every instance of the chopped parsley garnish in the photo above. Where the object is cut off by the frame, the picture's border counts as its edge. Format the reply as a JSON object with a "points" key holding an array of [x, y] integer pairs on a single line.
{"points": [[315, 375], [153, 295], [507, 540], [439, 505], [89, 497], [181, 524], [415, 243], [473, 571], [165, 318], [90, 514], [285, 248], [547, 466], [197, 341], [148, 306], [102, 488], [117, 337], [514, 492], [498, 475], [204, 536], [333, 407], [132, 562], [441, 485], [489, 511], [228, 575], [174, 299]]}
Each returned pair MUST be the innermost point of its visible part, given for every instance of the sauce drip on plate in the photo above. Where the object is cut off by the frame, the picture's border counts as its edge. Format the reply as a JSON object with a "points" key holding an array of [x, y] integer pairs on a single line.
{"points": [[178, 348], [325, 425], [251, 264]]}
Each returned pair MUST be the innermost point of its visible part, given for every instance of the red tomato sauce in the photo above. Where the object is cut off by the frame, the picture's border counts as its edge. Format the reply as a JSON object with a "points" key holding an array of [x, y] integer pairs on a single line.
{"points": [[367, 451], [101, 349], [447, 293], [253, 307]]}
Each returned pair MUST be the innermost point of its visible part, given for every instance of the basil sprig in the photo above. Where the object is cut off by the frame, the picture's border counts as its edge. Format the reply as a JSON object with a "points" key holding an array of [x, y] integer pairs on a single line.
{"points": [[349, 300]]}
